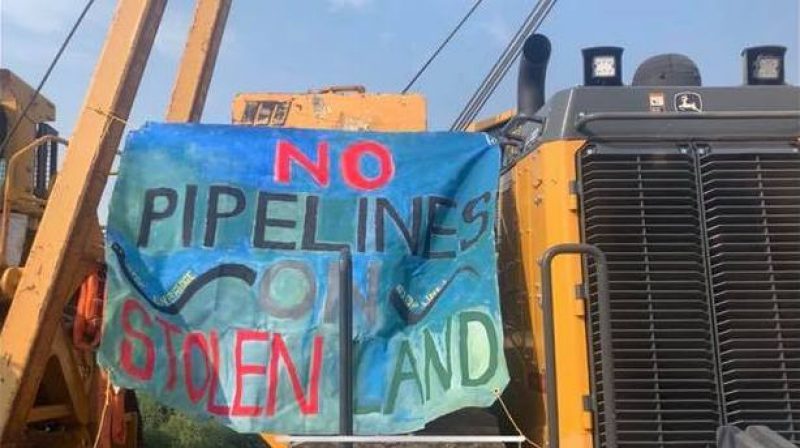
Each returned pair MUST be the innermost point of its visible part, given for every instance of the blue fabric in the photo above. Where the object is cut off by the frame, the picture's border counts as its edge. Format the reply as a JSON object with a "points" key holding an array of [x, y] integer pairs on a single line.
{"points": [[223, 249]]}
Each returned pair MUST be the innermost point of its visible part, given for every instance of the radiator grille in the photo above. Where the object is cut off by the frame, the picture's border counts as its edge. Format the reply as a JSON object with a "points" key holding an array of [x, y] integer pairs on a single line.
{"points": [[641, 209], [704, 264], [752, 206]]}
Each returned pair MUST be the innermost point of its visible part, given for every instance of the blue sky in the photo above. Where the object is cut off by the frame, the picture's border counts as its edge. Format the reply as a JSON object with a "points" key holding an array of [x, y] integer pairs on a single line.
{"points": [[282, 45]]}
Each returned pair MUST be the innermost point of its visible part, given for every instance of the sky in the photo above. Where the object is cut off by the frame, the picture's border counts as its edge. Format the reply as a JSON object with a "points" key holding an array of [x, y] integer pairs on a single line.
{"points": [[296, 45], [292, 46]]}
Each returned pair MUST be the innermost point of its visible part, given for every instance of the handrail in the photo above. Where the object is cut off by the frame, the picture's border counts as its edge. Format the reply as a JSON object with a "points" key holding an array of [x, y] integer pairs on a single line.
{"points": [[585, 118], [12, 161], [607, 359]]}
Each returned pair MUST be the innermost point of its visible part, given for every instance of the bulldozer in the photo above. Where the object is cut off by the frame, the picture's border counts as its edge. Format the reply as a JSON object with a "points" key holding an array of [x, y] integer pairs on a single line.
{"points": [[648, 239]]}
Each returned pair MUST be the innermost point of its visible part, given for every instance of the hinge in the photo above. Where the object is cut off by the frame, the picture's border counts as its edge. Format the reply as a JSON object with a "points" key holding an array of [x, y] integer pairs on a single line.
{"points": [[580, 291], [588, 403], [574, 188], [575, 195]]}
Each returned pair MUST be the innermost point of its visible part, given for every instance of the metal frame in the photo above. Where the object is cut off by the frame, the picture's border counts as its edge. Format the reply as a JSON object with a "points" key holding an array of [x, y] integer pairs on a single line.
{"points": [[197, 63], [607, 363], [56, 263]]}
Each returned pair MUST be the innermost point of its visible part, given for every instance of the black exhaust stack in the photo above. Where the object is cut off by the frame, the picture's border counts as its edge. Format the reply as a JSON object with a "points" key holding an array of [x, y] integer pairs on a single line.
{"points": [[532, 71]]}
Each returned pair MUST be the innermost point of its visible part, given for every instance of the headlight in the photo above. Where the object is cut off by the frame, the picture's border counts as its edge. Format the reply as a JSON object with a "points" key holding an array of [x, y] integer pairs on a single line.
{"points": [[602, 66], [764, 65]]}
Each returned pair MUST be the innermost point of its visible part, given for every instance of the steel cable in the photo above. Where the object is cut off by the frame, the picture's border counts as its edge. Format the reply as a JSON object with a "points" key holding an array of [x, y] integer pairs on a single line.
{"points": [[501, 66]]}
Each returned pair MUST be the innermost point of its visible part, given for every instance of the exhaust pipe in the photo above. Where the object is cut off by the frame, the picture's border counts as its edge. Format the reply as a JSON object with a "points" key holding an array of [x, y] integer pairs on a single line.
{"points": [[532, 71]]}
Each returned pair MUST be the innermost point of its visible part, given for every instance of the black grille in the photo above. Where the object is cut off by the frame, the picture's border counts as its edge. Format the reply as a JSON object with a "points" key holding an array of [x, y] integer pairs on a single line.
{"points": [[641, 209], [677, 228], [752, 207]]}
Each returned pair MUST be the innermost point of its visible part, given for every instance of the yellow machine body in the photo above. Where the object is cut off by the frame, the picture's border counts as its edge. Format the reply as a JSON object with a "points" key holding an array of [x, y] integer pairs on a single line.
{"points": [[18, 177], [64, 408], [349, 108], [683, 332], [533, 218]]}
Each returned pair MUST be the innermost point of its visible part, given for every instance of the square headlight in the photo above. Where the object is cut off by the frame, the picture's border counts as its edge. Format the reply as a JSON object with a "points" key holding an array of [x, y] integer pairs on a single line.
{"points": [[604, 67]]}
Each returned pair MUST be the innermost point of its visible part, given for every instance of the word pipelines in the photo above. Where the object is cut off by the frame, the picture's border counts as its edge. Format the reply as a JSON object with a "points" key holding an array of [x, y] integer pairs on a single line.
{"points": [[410, 308], [434, 228]]}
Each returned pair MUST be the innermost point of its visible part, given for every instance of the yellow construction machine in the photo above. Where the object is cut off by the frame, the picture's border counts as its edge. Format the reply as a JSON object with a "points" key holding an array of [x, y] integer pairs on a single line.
{"points": [[650, 254], [60, 403], [648, 236]]}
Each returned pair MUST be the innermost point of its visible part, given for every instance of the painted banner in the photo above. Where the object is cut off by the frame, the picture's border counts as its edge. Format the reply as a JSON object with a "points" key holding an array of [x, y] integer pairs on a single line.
{"points": [[223, 250]]}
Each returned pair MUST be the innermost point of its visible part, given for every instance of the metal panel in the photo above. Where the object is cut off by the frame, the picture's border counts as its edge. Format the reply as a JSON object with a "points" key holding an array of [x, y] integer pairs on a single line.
{"points": [[640, 207], [566, 113], [345, 107]]}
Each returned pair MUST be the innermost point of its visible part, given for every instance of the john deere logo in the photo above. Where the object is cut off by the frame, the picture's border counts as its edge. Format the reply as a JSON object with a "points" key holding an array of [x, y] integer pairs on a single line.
{"points": [[688, 102]]}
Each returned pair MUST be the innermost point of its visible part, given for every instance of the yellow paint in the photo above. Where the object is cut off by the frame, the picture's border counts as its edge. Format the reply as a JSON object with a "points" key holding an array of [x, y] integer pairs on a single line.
{"points": [[494, 121], [537, 212], [197, 63], [273, 440], [352, 110]]}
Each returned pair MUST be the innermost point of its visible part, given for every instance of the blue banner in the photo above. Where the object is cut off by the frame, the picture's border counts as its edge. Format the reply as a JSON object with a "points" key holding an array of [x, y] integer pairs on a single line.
{"points": [[223, 251]]}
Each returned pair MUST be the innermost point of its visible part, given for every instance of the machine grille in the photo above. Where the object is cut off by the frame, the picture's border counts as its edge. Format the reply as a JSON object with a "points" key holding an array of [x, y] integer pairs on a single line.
{"points": [[752, 210], [641, 208], [704, 262]]}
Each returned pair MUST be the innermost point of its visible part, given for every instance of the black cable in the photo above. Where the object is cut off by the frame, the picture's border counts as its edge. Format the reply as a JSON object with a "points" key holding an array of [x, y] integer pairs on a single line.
{"points": [[442, 45], [44, 78], [501, 66]]}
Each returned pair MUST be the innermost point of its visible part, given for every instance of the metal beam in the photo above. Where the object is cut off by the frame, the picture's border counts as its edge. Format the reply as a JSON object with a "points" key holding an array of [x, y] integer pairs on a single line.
{"points": [[197, 62], [49, 274]]}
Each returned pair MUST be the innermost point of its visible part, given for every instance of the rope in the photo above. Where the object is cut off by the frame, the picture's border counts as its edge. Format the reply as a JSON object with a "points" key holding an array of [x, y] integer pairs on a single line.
{"points": [[108, 114], [441, 46], [53, 63], [496, 393]]}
